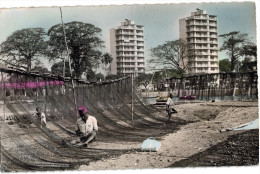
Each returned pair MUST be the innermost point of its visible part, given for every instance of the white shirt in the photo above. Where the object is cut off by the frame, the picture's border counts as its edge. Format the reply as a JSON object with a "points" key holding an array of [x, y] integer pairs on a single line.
{"points": [[89, 126], [169, 101]]}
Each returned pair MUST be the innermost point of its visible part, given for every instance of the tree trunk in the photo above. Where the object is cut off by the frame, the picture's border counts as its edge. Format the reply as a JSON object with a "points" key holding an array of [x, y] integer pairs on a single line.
{"points": [[29, 63]]}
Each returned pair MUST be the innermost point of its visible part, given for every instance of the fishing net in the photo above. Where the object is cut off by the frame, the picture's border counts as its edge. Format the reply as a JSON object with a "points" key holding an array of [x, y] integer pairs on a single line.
{"points": [[223, 85], [123, 116]]}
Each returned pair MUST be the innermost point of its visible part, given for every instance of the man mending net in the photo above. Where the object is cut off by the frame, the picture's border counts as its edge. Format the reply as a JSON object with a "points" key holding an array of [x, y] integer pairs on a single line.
{"points": [[86, 129]]}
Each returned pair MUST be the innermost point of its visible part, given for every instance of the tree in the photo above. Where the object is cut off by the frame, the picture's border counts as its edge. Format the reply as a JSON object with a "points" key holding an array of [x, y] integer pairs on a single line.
{"points": [[250, 61], [24, 47], [57, 68], [249, 50], [232, 44], [99, 77], [144, 79], [162, 75], [173, 55], [106, 60], [225, 65], [247, 65], [83, 43]]}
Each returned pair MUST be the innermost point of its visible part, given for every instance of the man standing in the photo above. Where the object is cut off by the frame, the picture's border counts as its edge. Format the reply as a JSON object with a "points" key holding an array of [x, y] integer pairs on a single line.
{"points": [[169, 107], [86, 128]]}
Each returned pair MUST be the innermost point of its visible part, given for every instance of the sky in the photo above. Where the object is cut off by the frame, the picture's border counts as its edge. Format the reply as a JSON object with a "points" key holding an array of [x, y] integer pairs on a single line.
{"points": [[160, 21]]}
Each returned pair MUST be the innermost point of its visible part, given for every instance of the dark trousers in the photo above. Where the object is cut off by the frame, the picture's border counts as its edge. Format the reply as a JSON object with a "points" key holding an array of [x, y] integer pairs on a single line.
{"points": [[170, 111]]}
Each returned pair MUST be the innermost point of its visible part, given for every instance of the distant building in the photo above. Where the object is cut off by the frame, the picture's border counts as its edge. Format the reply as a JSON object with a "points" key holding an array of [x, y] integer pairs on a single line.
{"points": [[127, 48], [200, 30]]}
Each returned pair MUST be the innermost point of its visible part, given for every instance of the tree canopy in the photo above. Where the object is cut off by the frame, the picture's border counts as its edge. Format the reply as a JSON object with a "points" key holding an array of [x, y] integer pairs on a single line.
{"points": [[23, 47], [233, 42], [106, 60], [249, 50], [173, 54], [144, 79], [57, 68], [83, 43], [225, 65], [248, 65]]}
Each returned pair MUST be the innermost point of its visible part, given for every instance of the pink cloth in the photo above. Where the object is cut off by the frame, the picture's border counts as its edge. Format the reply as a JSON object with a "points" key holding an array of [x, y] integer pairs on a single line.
{"points": [[83, 109]]}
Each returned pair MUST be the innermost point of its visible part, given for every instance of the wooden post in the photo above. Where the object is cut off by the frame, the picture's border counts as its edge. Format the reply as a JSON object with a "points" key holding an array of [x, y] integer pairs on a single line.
{"points": [[46, 95], [4, 95], [132, 104], [72, 82]]}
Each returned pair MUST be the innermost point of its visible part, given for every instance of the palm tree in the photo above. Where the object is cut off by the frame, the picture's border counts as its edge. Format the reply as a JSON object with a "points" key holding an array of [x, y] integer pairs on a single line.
{"points": [[106, 60]]}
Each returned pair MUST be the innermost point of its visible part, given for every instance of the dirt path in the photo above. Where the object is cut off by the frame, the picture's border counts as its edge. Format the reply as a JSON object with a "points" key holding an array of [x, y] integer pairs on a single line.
{"points": [[209, 119]]}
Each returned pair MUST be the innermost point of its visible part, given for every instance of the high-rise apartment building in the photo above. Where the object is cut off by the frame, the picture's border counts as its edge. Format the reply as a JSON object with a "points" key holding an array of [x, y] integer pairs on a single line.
{"points": [[200, 31], [127, 48]]}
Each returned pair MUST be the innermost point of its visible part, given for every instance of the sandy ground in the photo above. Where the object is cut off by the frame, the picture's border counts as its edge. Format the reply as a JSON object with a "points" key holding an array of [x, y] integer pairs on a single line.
{"points": [[210, 122], [207, 127]]}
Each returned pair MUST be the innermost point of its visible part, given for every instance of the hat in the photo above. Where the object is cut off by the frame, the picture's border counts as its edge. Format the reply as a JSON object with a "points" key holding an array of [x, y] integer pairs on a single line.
{"points": [[82, 109]]}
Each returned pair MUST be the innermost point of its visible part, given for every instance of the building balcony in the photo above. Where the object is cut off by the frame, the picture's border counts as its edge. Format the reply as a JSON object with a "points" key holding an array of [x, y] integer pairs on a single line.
{"points": [[213, 42], [140, 66], [197, 35], [198, 41], [140, 28], [213, 66], [213, 36], [213, 24], [197, 17], [125, 55], [125, 60], [213, 54], [201, 66], [139, 33], [125, 33], [213, 30], [141, 54], [125, 43], [197, 23], [214, 48], [140, 44], [196, 29], [125, 49], [127, 27], [214, 60], [202, 53], [129, 55], [126, 66], [119, 38], [212, 18], [200, 48], [139, 39], [140, 60], [201, 59], [124, 38]]}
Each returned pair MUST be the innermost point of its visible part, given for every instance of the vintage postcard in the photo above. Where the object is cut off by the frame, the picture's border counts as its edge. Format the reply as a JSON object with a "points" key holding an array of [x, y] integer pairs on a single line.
{"points": [[141, 86]]}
